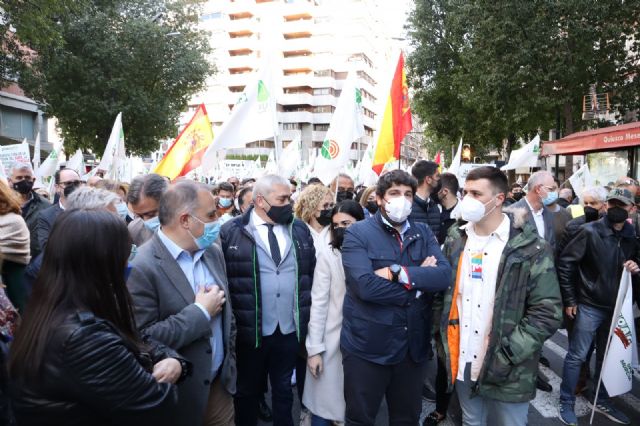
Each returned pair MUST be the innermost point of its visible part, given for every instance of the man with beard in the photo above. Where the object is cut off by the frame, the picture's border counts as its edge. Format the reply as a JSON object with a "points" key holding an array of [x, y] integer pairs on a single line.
{"points": [[425, 207], [22, 180]]}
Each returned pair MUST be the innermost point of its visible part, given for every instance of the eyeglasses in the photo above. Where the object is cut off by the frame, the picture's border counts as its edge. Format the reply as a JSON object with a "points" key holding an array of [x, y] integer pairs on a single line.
{"points": [[71, 183]]}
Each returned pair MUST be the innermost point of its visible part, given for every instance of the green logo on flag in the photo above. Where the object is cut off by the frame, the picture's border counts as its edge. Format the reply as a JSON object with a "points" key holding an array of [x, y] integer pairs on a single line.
{"points": [[263, 93], [358, 96], [330, 149]]}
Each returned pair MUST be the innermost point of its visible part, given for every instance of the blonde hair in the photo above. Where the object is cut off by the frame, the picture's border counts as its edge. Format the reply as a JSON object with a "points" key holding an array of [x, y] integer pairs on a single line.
{"points": [[365, 195], [9, 200], [309, 200]]}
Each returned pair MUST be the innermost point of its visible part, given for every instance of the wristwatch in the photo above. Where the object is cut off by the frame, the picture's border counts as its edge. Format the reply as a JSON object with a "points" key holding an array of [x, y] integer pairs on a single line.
{"points": [[395, 272]]}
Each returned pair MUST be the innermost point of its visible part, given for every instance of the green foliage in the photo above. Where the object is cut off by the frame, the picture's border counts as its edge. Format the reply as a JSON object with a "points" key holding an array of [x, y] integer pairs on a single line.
{"points": [[486, 70], [143, 58]]}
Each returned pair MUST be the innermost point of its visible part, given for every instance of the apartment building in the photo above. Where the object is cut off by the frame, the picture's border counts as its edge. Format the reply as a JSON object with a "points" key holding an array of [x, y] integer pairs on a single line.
{"points": [[317, 43]]}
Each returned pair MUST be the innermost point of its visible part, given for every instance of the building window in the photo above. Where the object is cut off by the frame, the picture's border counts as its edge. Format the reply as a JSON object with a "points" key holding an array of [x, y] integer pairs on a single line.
{"points": [[324, 91], [210, 16], [17, 124], [291, 126], [324, 73], [324, 108], [320, 127]]}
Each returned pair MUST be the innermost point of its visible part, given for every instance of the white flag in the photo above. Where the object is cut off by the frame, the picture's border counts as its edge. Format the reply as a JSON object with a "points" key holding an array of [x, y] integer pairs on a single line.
{"points": [[346, 126], [36, 152], [76, 162], [271, 167], [49, 165], [290, 157], [581, 179], [253, 117], [527, 156], [114, 157], [364, 173], [455, 163], [621, 357]]}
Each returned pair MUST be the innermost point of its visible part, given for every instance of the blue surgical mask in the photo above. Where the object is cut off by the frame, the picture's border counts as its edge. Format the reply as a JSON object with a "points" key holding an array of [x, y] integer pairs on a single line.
{"points": [[209, 236], [122, 210], [225, 202], [550, 198], [152, 224]]}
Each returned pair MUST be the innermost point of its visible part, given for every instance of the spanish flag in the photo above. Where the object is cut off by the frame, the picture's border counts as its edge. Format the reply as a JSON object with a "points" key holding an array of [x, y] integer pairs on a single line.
{"points": [[396, 121], [187, 150]]}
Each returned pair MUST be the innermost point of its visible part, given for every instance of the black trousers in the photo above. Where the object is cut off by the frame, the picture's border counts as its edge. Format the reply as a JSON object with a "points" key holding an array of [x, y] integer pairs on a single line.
{"points": [[442, 396], [275, 358], [366, 383]]}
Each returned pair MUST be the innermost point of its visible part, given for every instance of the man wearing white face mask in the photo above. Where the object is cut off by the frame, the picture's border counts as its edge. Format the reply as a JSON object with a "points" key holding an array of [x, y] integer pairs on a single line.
{"points": [[392, 266], [503, 304], [542, 192]]}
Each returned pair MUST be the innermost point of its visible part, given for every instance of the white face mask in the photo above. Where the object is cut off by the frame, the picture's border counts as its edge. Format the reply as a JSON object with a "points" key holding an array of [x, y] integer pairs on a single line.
{"points": [[398, 209], [473, 210]]}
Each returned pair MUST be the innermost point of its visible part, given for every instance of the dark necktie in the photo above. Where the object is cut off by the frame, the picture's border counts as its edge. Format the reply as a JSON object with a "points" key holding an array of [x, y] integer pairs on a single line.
{"points": [[273, 245]]}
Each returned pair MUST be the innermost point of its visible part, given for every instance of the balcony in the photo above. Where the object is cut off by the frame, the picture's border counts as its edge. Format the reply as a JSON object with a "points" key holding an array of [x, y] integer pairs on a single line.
{"points": [[239, 7], [295, 117], [325, 100], [318, 136], [239, 43], [297, 80], [297, 26], [241, 61], [298, 9], [237, 79], [240, 25], [322, 117], [298, 44], [298, 63], [296, 99]]}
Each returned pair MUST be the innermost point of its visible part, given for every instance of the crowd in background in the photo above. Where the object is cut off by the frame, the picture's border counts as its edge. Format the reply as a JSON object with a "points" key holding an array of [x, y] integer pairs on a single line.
{"points": [[183, 303]]}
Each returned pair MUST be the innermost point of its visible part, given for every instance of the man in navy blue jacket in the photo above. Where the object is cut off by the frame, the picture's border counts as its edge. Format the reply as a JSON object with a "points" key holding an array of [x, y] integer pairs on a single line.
{"points": [[392, 266]]}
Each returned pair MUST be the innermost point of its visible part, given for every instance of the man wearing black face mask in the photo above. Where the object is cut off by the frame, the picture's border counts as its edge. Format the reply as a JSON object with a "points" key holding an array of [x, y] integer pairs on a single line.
{"points": [[270, 261], [22, 180], [593, 200], [66, 181], [597, 255], [345, 187], [425, 207]]}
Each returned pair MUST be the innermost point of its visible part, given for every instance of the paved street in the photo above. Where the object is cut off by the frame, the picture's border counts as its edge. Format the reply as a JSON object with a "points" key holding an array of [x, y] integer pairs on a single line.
{"points": [[543, 409]]}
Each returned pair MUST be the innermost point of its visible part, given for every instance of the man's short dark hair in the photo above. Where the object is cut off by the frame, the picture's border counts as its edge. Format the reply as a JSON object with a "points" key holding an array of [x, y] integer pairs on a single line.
{"points": [[450, 181], [180, 197], [293, 182], [151, 185], [516, 185], [313, 181], [422, 169], [496, 178], [225, 186], [395, 177]]}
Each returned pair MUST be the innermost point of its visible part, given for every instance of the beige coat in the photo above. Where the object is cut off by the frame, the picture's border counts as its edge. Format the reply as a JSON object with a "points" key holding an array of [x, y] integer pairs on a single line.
{"points": [[324, 396]]}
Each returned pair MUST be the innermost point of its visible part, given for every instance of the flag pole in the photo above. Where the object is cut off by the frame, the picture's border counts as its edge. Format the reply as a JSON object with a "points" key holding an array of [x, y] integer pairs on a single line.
{"points": [[614, 320]]}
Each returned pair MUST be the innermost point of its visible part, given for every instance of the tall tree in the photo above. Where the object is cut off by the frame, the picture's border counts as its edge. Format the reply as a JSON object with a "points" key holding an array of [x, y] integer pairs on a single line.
{"points": [[143, 58], [494, 69]]}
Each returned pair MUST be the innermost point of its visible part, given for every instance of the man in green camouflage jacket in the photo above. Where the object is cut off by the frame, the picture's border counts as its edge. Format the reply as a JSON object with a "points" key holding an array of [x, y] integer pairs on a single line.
{"points": [[503, 303]]}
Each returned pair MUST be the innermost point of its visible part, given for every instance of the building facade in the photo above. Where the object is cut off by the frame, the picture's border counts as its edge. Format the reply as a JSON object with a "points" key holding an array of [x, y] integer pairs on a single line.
{"points": [[317, 43]]}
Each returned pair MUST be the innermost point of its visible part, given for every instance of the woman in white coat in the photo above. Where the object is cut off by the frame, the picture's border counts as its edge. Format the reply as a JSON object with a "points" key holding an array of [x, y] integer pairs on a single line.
{"points": [[323, 389]]}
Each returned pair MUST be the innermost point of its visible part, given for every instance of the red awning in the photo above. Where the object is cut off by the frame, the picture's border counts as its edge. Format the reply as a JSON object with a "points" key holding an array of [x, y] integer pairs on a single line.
{"points": [[614, 137]]}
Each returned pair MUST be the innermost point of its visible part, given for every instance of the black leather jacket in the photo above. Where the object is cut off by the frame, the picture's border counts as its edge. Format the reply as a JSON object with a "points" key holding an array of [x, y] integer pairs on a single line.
{"points": [[92, 377], [594, 259]]}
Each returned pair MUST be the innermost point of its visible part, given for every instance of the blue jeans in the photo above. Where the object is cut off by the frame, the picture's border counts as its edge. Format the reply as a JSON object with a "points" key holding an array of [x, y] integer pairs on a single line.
{"points": [[588, 321], [319, 421], [476, 409]]}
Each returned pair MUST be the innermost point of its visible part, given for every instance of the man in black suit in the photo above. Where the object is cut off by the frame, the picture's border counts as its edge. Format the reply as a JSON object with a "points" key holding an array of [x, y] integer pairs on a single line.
{"points": [[66, 181]]}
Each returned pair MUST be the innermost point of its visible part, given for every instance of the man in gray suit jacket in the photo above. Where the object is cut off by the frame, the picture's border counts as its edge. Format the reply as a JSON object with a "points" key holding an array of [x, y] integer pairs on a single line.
{"points": [[178, 284], [542, 191]]}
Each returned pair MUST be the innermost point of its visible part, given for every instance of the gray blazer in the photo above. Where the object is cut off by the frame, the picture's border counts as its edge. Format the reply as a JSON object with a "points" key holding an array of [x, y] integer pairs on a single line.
{"points": [[547, 217], [164, 308]]}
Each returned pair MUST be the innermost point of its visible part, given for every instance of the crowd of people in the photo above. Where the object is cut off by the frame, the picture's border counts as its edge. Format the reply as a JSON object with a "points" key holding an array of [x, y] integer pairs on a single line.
{"points": [[183, 303]]}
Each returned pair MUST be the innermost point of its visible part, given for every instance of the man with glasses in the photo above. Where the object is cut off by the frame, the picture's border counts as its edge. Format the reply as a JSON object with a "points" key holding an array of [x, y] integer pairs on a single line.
{"points": [[21, 180], [542, 192], [66, 181]]}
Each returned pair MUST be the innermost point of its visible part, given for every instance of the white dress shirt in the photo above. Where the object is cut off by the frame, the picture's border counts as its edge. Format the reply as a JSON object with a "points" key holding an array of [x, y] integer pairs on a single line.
{"points": [[537, 217], [263, 233], [477, 292]]}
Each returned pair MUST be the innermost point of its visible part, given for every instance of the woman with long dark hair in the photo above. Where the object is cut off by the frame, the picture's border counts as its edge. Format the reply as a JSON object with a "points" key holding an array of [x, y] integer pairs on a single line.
{"points": [[323, 394], [77, 358]]}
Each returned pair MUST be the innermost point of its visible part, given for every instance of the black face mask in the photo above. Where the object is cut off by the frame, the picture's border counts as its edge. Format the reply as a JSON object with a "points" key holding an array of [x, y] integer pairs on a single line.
{"points": [[617, 214], [372, 206], [344, 195], [68, 190], [325, 217], [23, 187], [280, 214], [590, 214], [338, 237], [517, 196]]}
